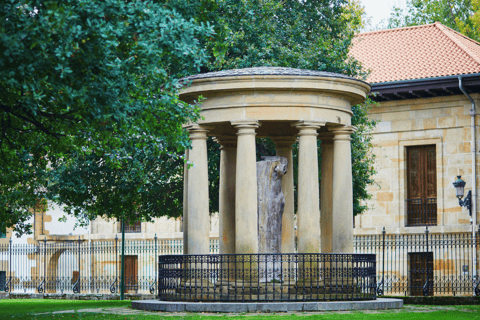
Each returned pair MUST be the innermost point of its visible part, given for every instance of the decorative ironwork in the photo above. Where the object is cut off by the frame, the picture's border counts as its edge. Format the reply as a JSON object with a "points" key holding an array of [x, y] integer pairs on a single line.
{"points": [[425, 288], [152, 287], [467, 202], [421, 212], [267, 277], [7, 285], [113, 286], [76, 286], [41, 287], [477, 289], [380, 288]]}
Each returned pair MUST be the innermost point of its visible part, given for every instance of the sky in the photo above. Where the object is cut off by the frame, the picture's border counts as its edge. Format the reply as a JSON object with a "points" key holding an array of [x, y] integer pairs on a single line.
{"points": [[380, 9]]}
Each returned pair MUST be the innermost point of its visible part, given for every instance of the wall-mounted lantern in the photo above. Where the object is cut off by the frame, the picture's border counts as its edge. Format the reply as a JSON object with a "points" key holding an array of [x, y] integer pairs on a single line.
{"points": [[459, 185]]}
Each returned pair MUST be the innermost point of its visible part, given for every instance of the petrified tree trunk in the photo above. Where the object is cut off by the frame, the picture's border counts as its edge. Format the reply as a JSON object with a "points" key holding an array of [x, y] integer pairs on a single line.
{"points": [[271, 203]]}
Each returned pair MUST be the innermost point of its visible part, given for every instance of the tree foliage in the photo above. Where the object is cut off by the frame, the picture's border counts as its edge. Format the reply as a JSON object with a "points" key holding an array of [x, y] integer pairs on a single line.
{"points": [[363, 159], [89, 93], [95, 81], [460, 15], [312, 35]]}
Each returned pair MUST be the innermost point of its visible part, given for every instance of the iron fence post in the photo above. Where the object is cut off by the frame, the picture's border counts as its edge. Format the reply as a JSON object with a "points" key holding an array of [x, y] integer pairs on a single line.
{"points": [[9, 284], [122, 274], [477, 241], [381, 291], [383, 262], [79, 271], [154, 283], [45, 261], [116, 260], [156, 267], [426, 286], [114, 285], [43, 286]]}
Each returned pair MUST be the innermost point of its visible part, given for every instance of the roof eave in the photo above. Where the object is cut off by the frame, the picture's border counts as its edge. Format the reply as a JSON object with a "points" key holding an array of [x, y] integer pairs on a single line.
{"points": [[426, 87]]}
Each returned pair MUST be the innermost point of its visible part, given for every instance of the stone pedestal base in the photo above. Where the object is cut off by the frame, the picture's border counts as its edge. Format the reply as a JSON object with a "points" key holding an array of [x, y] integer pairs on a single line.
{"points": [[155, 305]]}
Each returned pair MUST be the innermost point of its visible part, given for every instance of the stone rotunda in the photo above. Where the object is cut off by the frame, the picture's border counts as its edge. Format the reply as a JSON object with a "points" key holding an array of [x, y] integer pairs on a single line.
{"points": [[285, 105]]}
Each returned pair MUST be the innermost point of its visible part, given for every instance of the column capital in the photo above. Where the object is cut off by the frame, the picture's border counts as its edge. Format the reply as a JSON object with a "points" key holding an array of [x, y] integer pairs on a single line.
{"points": [[226, 141], [308, 128], [198, 131], [245, 126], [284, 142], [246, 123], [342, 133]]}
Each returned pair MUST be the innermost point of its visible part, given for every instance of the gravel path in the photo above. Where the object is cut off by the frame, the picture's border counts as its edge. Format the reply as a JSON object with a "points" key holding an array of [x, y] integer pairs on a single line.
{"points": [[130, 311]]}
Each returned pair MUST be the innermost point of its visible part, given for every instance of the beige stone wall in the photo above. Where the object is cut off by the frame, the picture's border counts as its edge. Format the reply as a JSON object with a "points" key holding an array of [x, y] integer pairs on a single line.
{"points": [[164, 228], [440, 121]]}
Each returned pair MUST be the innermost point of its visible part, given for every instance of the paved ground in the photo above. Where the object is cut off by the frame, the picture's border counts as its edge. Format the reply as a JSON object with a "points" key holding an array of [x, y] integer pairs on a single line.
{"points": [[130, 311]]}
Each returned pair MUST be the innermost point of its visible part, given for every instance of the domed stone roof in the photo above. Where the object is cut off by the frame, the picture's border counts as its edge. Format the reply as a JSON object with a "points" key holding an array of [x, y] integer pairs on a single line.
{"points": [[270, 71]]}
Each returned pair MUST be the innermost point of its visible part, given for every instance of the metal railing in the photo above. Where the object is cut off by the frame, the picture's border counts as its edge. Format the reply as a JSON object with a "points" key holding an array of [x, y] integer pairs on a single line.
{"points": [[421, 212], [267, 277], [84, 267], [404, 264], [424, 264]]}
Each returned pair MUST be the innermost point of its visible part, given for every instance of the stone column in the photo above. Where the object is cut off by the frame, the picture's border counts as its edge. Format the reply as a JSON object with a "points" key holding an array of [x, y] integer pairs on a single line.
{"points": [[246, 224], [283, 147], [228, 163], [326, 196], [198, 218], [185, 204], [342, 191], [308, 192]]}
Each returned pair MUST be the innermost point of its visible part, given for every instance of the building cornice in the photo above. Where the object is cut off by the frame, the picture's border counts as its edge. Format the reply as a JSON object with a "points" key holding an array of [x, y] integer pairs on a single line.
{"points": [[424, 88]]}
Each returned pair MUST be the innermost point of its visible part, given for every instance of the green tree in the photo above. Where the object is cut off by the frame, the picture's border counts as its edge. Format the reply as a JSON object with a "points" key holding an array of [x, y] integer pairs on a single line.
{"points": [[460, 15], [90, 93], [147, 184], [95, 81], [312, 35]]}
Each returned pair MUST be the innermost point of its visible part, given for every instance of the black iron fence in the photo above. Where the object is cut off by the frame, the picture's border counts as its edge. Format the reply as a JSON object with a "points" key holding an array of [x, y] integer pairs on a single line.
{"points": [[267, 277], [424, 264], [415, 264], [82, 266]]}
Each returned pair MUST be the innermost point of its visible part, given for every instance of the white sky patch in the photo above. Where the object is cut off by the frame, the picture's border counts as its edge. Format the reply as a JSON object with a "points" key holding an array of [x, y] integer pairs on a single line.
{"points": [[380, 10]]}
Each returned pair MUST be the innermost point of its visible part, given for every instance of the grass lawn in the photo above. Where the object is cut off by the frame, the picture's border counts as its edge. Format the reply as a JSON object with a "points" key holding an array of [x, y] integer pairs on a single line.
{"points": [[26, 308], [75, 309]]}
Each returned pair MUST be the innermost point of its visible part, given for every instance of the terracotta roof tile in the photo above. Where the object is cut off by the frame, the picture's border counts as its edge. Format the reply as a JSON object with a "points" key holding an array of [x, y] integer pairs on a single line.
{"points": [[426, 51]]}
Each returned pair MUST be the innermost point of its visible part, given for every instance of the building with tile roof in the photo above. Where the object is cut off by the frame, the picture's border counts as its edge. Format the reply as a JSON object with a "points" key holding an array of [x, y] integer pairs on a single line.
{"points": [[419, 61], [418, 52], [424, 137], [426, 80]]}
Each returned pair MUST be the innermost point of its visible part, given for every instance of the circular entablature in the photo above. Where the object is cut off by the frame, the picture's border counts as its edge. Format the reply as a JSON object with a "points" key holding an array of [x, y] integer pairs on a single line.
{"points": [[274, 95]]}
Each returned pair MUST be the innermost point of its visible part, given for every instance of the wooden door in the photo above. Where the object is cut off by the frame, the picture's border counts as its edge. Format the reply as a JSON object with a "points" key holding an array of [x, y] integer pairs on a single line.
{"points": [[421, 270], [75, 276], [131, 273], [421, 186]]}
